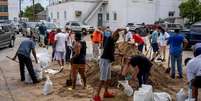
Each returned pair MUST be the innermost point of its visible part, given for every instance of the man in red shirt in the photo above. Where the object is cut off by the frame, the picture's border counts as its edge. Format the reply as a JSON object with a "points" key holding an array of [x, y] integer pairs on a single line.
{"points": [[138, 39], [51, 41]]}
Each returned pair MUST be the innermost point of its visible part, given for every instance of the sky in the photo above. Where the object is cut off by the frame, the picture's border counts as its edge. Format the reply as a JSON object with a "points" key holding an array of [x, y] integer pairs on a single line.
{"points": [[29, 2]]}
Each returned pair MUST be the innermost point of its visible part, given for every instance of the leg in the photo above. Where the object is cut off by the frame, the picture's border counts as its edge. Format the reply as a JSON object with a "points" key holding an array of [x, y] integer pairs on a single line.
{"points": [[108, 76], [195, 93], [139, 76], [74, 74], [21, 62], [173, 66], [82, 73], [30, 69], [164, 52], [179, 65], [145, 78]]}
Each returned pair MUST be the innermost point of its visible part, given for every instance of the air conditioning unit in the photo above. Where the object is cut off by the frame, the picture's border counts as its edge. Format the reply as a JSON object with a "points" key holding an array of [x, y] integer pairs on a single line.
{"points": [[78, 13]]}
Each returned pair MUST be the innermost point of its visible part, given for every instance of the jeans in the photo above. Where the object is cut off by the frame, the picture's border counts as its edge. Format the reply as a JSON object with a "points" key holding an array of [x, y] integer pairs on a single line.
{"points": [[68, 53], [142, 78], [178, 60], [26, 61]]}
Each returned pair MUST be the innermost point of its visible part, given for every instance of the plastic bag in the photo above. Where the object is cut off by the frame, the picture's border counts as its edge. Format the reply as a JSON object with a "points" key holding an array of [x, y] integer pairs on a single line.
{"points": [[79, 80], [163, 96], [43, 58], [47, 89], [145, 93], [127, 88], [38, 72], [181, 95]]}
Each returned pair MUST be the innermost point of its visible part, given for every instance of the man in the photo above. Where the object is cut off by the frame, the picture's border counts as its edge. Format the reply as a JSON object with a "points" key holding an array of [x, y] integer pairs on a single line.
{"points": [[139, 40], [129, 35], [107, 33], [154, 43], [176, 41], [105, 65], [23, 53], [60, 48], [142, 67], [97, 39], [51, 41], [43, 33], [194, 73]]}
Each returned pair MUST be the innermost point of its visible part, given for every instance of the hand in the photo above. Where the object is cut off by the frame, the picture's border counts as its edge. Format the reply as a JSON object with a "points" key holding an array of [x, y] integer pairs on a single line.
{"points": [[36, 61], [14, 58]]}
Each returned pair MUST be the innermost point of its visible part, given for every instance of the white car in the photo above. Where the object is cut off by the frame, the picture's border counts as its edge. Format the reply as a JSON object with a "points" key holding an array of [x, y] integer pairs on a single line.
{"points": [[78, 26]]}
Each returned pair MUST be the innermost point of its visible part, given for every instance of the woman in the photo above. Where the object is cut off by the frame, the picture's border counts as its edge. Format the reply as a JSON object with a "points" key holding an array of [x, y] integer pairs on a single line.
{"points": [[163, 43], [78, 60]]}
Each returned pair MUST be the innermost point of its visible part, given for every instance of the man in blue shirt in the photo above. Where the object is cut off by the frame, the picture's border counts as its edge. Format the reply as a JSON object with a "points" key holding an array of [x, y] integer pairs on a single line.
{"points": [[154, 43], [176, 47], [23, 53]]}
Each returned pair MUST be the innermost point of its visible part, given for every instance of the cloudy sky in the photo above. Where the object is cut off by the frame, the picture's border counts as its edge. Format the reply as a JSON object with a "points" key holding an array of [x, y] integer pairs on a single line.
{"points": [[29, 2]]}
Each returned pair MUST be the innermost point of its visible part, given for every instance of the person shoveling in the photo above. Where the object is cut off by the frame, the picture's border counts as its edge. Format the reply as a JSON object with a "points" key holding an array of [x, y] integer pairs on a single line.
{"points": [[23, 53]]}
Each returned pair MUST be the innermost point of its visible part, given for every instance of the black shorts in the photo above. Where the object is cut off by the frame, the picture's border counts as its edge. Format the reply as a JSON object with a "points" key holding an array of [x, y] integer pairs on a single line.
{"points": [[155, 47], [197, 82]]}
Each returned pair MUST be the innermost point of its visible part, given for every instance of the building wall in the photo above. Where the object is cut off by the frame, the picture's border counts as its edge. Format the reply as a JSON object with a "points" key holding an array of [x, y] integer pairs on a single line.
{"points": [[70, 8], [13, 9], [127, 11], [3, 10]]}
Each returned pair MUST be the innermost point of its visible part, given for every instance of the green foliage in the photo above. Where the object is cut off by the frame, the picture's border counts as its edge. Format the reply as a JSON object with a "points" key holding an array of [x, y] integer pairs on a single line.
{"points": [[29, 11], [191, 9]]}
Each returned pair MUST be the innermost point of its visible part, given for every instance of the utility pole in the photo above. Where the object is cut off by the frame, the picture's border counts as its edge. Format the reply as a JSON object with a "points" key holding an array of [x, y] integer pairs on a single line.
{"points": [[34, 15], [20, 8]]}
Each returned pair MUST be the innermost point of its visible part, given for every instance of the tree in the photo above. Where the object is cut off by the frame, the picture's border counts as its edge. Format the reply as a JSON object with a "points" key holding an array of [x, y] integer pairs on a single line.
{"points": [[191, 9], [29, 11]]}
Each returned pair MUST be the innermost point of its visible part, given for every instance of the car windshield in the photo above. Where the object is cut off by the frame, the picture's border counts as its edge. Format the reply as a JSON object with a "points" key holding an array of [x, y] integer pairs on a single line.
{"points": [[196, 28], [50, 26]]}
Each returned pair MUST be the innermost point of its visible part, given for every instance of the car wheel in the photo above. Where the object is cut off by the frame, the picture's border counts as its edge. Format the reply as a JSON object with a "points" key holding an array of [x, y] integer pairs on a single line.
{"points": [[12, 43]]}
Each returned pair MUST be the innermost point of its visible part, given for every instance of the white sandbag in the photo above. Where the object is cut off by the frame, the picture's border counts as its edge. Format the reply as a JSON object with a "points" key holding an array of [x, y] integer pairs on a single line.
{"points": [[128, 90], [190, 95], [181, 95], [38, 72], [145, 93], [51, 71], [162, 96], [47, 89], [79, 80], [43, 58], [190, 99]]}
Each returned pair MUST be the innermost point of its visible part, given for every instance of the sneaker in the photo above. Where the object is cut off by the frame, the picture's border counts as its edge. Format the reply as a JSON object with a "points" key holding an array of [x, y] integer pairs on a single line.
{"points": [[108, 95], [96, 98]]}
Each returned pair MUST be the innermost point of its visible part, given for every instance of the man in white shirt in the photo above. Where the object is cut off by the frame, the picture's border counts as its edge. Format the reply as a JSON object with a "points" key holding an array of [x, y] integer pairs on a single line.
{"points": [[194, 74], [129, 36], [60, 48]]}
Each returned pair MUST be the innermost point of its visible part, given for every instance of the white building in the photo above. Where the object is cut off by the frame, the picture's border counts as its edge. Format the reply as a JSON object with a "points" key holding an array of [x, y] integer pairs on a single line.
{"points": [[13, 9], [113, 13]]}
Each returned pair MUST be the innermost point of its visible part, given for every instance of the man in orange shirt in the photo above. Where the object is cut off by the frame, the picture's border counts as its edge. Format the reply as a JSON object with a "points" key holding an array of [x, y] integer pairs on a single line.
{"points": [[97, 39], [138, 39]]}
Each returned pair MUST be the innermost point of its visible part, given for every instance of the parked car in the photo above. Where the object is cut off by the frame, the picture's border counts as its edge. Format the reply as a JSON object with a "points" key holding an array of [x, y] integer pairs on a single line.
{"points": [[194, 35], [171, 26], [7, 35], [78, 26]]}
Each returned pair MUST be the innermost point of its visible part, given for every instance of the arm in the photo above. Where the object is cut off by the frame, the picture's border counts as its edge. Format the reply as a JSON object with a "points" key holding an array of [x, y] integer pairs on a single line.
{"points": [[14, 58], [135, 73], [34, 54]]}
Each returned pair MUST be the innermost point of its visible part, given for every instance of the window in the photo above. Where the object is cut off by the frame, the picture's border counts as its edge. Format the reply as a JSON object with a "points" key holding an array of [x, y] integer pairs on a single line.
{"points": [[115, 16], [107, 16], [171, 13], [75, 24], [3, 17], [51, 15], [3, 8], [57, 15], [65, 16]]}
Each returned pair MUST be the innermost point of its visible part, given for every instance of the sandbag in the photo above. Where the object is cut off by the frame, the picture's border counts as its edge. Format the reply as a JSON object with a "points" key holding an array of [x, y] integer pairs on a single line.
{"points": [[181, 95], [162, 96], [78, 80], [128, 90], [47, 89], [38, 72], [145, 93], [43, 58]]}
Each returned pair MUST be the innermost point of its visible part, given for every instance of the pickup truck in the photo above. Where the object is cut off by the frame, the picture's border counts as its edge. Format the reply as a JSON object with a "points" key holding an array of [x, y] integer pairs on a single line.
{"points": [[7, 35]]}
